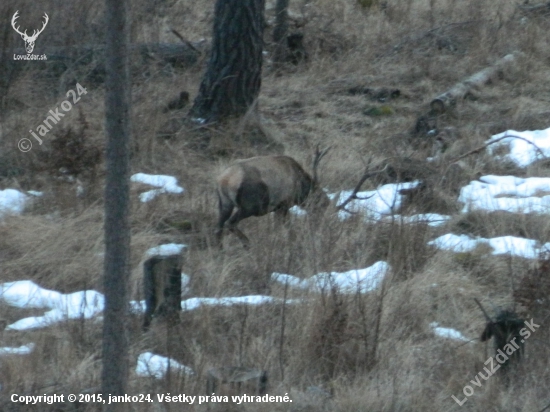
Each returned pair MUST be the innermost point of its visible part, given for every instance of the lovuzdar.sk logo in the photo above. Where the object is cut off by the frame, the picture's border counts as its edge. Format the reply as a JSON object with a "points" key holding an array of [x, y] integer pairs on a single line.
{"points": [[29, 40]]}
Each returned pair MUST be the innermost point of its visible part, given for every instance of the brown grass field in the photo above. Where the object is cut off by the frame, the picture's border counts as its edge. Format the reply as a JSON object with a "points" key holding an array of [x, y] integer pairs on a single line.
{"points": [[370, 352]]}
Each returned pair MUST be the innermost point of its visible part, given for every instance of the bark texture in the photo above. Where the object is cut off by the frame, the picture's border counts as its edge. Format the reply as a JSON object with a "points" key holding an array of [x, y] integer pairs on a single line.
{"points": [[232, 80], [117, 229]]}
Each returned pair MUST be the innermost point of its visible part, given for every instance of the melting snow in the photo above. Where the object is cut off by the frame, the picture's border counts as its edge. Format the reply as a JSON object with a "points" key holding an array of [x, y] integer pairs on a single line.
{"points": [[12, 201], [515, 246], [522, 153], [149, 364], [195, 303], [507, 193], [168, 249], [431, 219], [166, 184], [21, 350], [352, 281], [25, 293], [375, 203], [448, 332]]}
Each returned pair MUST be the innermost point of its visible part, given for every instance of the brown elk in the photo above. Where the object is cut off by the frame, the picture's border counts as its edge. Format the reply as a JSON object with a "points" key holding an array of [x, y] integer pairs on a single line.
{"points": [[264, 184]]}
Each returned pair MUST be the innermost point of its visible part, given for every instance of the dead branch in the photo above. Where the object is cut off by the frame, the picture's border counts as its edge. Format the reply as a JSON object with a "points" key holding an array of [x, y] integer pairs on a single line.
{"points": [[187, 43], [487, 317], [479, 149], [418, 37], [449, 99], [357, 188]]}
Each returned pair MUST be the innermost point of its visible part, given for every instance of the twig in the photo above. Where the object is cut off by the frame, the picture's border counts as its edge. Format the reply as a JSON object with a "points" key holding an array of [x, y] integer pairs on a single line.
{"points": [[187, 43], [545, 408], [483, 310], [418, 37], [479, 149]]}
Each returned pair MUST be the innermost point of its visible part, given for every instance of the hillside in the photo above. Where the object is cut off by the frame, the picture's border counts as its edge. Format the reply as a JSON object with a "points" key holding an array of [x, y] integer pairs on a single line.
{"points": [[371, 309]]}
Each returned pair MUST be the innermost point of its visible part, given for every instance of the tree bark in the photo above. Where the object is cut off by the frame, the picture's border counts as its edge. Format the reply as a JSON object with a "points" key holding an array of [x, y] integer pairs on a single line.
{"points": [[117, 228], [232, 80]]}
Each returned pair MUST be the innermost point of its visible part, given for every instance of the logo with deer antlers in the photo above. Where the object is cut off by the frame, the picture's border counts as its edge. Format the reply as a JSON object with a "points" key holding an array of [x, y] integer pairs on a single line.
{"points": [[29, 40]]}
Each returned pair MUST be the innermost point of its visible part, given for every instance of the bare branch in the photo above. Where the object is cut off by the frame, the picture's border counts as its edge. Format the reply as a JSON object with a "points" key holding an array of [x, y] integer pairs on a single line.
{"points": [[483, 310], [186, 42], [479, 149], [316, 160], [357, 188]]}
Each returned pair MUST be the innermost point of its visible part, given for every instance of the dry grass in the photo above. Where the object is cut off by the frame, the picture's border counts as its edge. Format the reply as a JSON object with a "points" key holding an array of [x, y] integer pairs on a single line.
{"points": [[369, 352]]}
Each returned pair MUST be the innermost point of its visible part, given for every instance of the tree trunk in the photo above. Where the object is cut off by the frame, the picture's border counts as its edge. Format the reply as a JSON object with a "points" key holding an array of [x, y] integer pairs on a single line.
{"points": [[280, 31], [232, 80], [117, 228]]}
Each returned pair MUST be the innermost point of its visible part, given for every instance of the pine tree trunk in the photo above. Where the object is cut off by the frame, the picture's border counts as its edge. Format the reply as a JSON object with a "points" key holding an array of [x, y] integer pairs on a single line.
{"points": [[232, 80]]}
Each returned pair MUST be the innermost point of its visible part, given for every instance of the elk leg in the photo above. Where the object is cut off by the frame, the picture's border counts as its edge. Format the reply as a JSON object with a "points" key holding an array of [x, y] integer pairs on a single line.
{"points": [[226, 210], [281, 216], [232, 225]]}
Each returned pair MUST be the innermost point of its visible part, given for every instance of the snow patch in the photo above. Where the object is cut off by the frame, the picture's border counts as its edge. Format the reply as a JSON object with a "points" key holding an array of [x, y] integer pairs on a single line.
{"points": [[151, 365], [165, 184], [448, 332], [352, 281], [522, 153], [504, 245]]}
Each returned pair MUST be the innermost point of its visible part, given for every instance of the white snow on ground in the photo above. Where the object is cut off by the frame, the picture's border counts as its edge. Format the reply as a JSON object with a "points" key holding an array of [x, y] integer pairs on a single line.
{"points": [[522, 153], [89, 303], [298, 211], [21, 350], [375, 203], [12, 201], [253, 300], [352, 281], [195, 303], [168, 249], [151, 365], [431, 219], [448, 332], [165, 184], [507, 193], [27, 294], [504, 245]]}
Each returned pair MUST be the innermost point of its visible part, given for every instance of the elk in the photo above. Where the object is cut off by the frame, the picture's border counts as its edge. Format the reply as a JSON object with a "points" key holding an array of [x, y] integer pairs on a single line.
{"points": [[29, 40], [264, 184]]}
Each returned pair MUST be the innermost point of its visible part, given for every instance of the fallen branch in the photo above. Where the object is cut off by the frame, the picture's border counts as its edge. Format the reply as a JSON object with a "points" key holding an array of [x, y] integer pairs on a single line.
{"points": [[479, 149], [449, 99], [353, 195]]}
